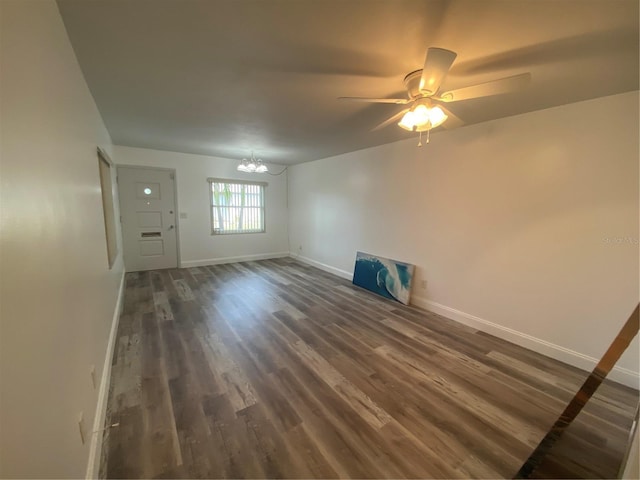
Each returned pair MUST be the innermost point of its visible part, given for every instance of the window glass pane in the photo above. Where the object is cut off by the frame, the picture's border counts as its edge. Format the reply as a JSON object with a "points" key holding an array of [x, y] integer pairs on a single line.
{"points": [[236, 207]]}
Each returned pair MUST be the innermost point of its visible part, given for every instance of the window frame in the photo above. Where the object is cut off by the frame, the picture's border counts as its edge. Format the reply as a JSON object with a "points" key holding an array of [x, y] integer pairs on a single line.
{"points": [[262, 185]]}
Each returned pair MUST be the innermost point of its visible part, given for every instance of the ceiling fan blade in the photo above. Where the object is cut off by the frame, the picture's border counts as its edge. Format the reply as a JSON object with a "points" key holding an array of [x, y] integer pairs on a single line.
{"points": [[494, 87], [436, 66], [397, 101], [452, 121], [392, 119]]}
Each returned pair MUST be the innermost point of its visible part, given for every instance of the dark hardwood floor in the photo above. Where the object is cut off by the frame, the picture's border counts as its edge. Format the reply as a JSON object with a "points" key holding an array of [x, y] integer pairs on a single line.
{"points": [[274, 369]]}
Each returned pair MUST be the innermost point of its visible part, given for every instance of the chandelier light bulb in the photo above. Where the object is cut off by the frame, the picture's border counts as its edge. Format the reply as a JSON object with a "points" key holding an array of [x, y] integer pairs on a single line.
{"points": [[243, 166]]}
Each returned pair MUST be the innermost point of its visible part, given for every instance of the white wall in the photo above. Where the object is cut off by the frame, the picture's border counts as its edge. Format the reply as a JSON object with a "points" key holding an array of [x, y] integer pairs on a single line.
{"points": [[58, 295], [526, 227], [197, 245]]}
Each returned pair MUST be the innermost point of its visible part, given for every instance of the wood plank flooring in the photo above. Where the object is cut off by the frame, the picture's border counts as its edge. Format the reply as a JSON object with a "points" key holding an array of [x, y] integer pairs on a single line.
{"points": [[274, 369]]}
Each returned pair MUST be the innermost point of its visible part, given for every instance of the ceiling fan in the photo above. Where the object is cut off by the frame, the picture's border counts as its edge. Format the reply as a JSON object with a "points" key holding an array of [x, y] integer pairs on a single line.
{"points": [[424, 95]]}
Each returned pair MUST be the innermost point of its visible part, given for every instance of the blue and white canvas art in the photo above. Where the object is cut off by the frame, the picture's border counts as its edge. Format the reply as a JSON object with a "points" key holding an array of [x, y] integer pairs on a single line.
{"points": [[389, 278]]}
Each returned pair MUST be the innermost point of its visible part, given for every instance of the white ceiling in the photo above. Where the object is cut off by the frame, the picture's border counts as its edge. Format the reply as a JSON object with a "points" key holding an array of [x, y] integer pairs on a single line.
{"points": [[224, 77]]}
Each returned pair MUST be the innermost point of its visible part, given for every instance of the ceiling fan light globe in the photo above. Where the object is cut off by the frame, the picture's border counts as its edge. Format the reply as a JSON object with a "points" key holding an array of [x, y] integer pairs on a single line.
{"points": [[421, 115], [251, 167], [436, 117], [406, 127], [407, 121], [261, 168], [242, 168]]}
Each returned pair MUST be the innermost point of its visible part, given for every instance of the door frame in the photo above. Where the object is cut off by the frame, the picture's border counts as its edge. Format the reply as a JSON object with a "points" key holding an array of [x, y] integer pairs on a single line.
{"points": [[175, 197]]}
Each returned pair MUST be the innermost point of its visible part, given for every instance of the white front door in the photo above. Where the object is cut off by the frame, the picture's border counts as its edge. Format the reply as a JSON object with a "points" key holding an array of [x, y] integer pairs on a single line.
{"points": [[148, 212]]}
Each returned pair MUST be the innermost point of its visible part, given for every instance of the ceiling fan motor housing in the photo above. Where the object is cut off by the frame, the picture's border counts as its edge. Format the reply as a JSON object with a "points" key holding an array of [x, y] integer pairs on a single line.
{"points": [[412, 84]]}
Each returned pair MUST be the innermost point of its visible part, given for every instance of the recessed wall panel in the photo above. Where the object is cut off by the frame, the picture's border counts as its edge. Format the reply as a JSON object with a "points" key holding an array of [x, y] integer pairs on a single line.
{"points": [[149, 219], [151, 247]]}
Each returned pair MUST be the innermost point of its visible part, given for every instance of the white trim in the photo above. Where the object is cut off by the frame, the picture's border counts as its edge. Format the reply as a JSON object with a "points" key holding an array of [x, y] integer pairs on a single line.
{"points": [[144, 167], [233, 180], [176, 218], [103, 153], [630, 466], [571, 357], [322, 266], [242, 258], [95, 449]]}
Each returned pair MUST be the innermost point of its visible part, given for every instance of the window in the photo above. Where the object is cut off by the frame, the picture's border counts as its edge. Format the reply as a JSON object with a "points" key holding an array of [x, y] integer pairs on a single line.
{"points": [[236, 206], [107, 207]]}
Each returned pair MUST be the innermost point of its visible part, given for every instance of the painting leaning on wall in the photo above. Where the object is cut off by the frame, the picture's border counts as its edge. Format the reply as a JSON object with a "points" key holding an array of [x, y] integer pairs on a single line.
{"points": [[386, 277]]}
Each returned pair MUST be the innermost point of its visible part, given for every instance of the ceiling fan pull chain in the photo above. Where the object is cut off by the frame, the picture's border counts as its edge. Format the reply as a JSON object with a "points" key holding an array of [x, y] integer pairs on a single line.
{"points": [[428, 135], [420, 141]]}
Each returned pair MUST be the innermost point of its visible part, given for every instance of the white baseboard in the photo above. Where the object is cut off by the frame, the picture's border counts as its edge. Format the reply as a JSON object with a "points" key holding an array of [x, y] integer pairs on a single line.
{"points": [[95, 449], [242, 258], [571, 357], [565, 355], [327, 268]]}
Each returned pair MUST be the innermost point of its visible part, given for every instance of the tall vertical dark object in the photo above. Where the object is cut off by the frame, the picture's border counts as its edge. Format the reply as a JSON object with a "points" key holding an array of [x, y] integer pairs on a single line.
{"points": [[591, 384]]}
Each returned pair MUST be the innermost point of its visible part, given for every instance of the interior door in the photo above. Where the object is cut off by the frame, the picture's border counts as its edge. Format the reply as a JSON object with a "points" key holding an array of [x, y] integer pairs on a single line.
{"points": [[147, 209]]}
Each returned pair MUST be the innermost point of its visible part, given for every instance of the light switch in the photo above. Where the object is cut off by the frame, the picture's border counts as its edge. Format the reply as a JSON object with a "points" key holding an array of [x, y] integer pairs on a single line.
{"points": [[183, 215]]}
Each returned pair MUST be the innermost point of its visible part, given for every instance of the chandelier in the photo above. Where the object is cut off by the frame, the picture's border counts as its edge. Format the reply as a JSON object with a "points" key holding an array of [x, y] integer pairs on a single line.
{"points": [[252, 165]]}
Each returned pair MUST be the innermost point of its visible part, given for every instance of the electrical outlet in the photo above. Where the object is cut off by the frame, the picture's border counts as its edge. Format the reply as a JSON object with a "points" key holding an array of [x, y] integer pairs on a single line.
{"points": [[92, 371], [423, 284], [81, 427]]}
